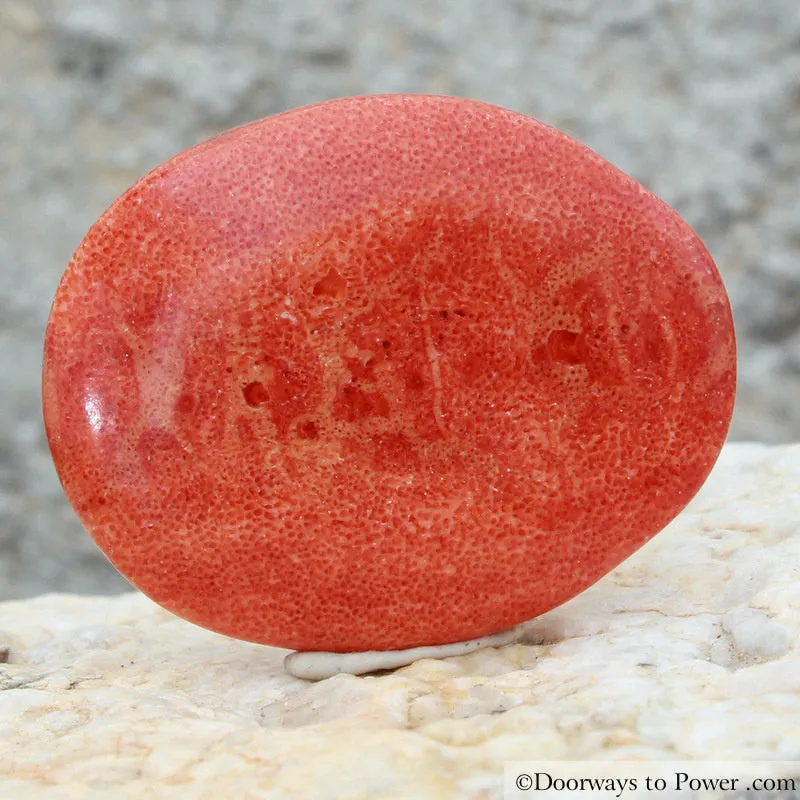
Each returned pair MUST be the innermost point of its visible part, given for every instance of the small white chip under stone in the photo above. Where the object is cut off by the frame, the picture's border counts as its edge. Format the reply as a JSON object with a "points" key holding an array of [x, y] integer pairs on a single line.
{"points": [[316, 666]]}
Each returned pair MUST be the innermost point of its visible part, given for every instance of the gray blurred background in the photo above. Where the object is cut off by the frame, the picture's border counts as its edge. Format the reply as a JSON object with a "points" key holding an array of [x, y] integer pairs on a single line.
{"points": [[697, 99]]}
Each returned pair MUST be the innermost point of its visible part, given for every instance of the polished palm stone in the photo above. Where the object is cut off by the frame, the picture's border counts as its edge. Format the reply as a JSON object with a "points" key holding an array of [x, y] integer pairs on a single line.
{"points": [[384, 372]]}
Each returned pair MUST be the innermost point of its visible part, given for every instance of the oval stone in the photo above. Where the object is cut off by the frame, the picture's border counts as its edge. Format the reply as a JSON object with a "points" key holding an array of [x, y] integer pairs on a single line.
{"points": [[384, 372]]}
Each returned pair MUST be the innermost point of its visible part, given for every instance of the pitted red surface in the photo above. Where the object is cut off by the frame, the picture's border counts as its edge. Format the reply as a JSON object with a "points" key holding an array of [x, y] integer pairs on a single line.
{"points": [[384, 372]]}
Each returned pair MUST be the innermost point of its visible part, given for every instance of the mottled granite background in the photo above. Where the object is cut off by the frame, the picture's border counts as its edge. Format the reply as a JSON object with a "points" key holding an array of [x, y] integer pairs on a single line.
{"points": [[697, 99]]}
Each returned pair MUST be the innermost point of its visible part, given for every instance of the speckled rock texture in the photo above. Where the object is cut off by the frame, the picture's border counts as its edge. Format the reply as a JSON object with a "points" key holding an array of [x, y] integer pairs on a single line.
{"points": [[689, 650], [314, 418], [696, 100]]}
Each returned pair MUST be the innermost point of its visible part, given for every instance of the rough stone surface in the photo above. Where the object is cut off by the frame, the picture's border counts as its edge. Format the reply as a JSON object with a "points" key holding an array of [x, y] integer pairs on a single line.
{"points": [[697, 100], [690, 649]]}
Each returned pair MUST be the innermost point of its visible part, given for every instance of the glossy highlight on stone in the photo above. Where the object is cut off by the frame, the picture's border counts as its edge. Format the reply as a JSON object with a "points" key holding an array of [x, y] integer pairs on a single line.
{"points": [[384, 372]]}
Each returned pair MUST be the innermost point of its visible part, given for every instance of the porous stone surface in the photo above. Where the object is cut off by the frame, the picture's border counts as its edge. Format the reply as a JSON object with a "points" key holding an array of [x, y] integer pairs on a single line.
{"points": [[689, 650], [696, 100], [326, 408]]}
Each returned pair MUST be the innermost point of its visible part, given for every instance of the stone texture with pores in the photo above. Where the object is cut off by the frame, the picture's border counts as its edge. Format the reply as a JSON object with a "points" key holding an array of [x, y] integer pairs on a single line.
{"points": [[98, 92], [332, 379]]}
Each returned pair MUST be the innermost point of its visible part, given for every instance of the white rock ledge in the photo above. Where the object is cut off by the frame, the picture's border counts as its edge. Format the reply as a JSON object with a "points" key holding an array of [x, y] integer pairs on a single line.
{"points": [[690, 649]]}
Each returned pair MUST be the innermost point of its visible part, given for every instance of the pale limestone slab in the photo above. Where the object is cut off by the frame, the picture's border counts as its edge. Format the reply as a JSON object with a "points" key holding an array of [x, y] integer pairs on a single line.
{"points": [[690, 649]]}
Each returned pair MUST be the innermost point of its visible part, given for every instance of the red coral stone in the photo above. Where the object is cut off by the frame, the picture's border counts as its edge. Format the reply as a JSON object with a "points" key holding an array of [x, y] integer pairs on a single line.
{"points": [[384, 372]]}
